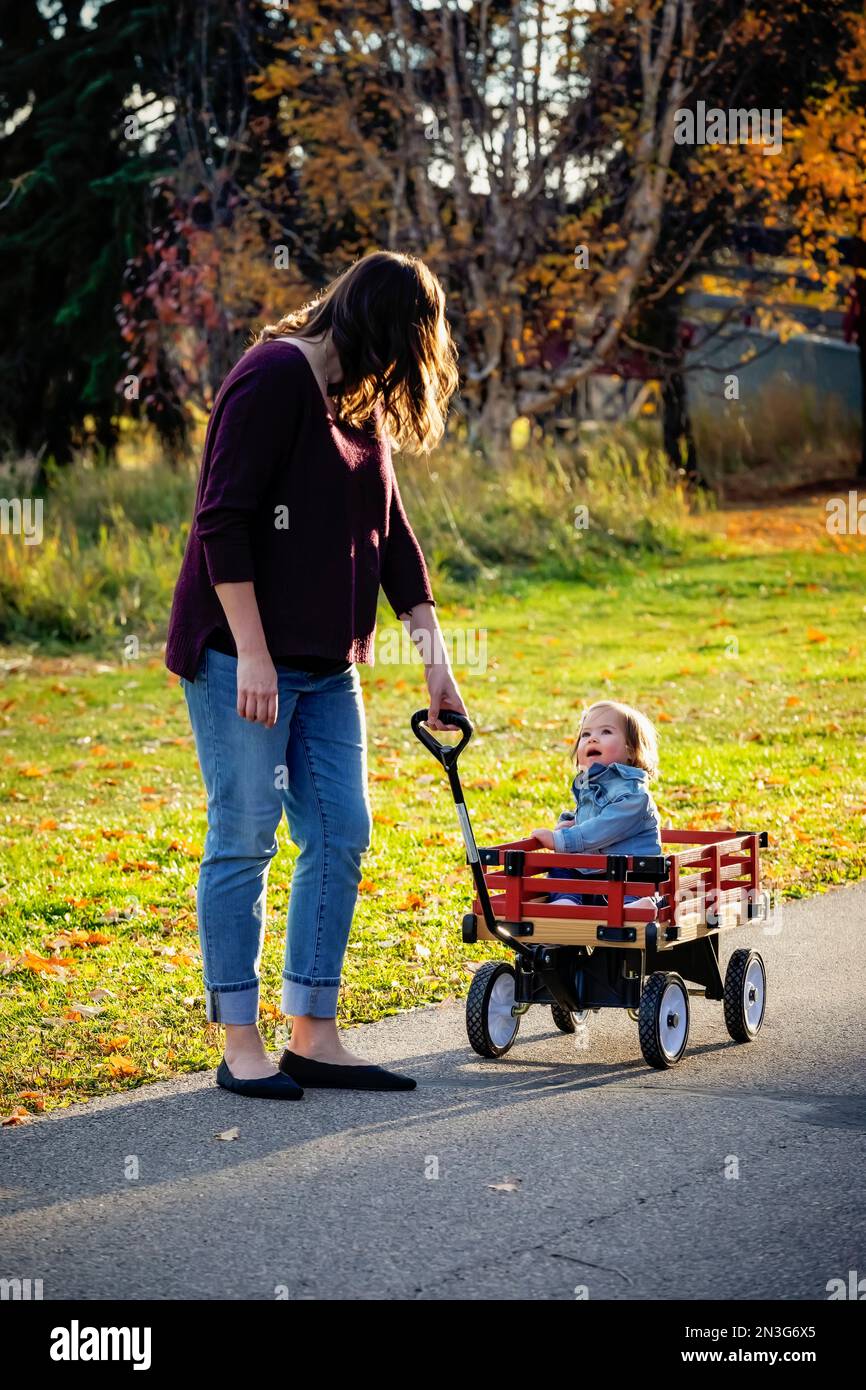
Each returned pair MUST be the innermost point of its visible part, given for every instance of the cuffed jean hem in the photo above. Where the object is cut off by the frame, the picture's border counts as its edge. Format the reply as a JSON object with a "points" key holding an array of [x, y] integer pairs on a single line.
{"points": [[237, 1005], [299, 999]]}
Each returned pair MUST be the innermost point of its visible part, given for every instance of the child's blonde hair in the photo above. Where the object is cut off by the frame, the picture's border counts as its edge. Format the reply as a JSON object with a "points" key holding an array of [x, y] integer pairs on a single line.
{"points": [[640, 735]]}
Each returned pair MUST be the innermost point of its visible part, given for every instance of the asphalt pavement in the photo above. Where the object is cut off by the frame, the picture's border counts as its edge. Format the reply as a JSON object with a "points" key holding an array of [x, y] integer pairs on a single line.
{"points": [[556, 1172]]}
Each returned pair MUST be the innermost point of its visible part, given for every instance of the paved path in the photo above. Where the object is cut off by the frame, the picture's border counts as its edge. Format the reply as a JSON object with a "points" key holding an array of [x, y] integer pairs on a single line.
{"points": [[620, 1168]]}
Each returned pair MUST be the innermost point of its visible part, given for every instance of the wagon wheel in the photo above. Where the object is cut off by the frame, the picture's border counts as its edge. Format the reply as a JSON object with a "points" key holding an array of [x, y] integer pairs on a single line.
{"points": [[490, 1024], [663, 1019], [745, 995], [567, 1020]]}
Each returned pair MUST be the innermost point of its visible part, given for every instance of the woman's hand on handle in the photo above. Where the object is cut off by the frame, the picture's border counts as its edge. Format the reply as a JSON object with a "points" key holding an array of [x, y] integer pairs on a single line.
{"points": [[444, 695], [423, 627]]}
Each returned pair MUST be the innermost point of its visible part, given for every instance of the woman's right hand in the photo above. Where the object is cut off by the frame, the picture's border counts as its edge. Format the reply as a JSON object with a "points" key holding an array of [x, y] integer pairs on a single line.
{"points": [[257, 688]]}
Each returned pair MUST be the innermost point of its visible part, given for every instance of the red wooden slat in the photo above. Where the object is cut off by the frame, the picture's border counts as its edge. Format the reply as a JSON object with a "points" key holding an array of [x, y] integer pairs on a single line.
{"points": [[513, 904], [615, 904], [566, 911]]}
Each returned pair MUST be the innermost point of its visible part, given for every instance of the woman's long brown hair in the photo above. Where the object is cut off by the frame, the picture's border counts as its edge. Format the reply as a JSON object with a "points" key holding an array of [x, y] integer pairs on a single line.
{"points": [[386, 314]]}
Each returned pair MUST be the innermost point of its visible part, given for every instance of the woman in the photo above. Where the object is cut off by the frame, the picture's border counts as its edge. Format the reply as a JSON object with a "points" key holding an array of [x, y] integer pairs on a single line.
{"points": [[298, 522]]}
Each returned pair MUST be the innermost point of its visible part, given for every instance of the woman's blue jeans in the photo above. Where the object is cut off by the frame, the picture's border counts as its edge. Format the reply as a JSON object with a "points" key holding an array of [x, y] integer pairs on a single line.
{"points": [[313, 765]]}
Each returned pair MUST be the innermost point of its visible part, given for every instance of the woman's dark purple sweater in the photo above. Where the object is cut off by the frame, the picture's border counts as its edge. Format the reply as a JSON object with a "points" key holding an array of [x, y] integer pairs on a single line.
{"points": [[306, 508]]}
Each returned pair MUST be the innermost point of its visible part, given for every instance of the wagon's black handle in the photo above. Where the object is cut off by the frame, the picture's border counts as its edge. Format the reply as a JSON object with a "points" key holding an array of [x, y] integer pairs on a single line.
{"points": [[447, 754], [448, 758]]}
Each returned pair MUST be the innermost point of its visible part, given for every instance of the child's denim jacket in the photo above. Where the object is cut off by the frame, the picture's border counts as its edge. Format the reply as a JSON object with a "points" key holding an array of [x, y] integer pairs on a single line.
{"points": [[615, 813]]}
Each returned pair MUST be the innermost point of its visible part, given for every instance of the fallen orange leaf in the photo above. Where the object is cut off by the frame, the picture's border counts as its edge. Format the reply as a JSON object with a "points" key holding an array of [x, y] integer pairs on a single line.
{"points": [[121, 1066], [36, 1099], [41, 965]]}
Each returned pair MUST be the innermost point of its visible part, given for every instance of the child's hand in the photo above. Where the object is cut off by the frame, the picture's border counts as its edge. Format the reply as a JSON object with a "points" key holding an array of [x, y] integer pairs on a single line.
{"points": [[544, 838]]}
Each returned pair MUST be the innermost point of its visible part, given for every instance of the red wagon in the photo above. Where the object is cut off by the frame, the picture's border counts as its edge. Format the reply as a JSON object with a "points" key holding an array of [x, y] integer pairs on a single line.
{"points": [[582, 958]]}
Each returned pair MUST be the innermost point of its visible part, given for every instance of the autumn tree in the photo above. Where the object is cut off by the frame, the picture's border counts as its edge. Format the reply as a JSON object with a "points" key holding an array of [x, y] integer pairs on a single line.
{"points": [[754, 58], [817, 189], [527, 152], [463, 133], [206, 270]]}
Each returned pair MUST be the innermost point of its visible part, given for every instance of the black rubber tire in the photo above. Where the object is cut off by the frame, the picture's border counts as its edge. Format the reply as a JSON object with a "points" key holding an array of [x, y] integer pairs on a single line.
{"points": [[477, 1004], [562, 1018], [735, 1003], [648, 1019]]}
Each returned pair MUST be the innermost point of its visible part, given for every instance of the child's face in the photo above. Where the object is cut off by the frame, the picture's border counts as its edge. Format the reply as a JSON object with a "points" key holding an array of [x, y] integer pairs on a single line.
{"points": [[601, 740]]}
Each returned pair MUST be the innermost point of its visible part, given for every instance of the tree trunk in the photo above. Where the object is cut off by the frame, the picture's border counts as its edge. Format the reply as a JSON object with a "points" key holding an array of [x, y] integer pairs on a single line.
{"points": [[679, 442], [660, 329], [495, 421]]}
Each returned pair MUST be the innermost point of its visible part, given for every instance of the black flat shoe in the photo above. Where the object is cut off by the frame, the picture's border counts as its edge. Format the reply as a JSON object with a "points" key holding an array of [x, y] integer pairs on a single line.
{"points": [[276, 1087], [313, 1073]]}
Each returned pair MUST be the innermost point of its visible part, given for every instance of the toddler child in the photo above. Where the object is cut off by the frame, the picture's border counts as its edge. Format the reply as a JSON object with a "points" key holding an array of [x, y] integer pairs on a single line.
{"points": [[616, 755]]}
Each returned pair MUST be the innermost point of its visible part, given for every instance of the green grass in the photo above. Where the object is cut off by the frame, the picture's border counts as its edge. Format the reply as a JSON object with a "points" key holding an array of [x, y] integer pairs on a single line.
{"points": [[105, 570], [750, 660]]}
